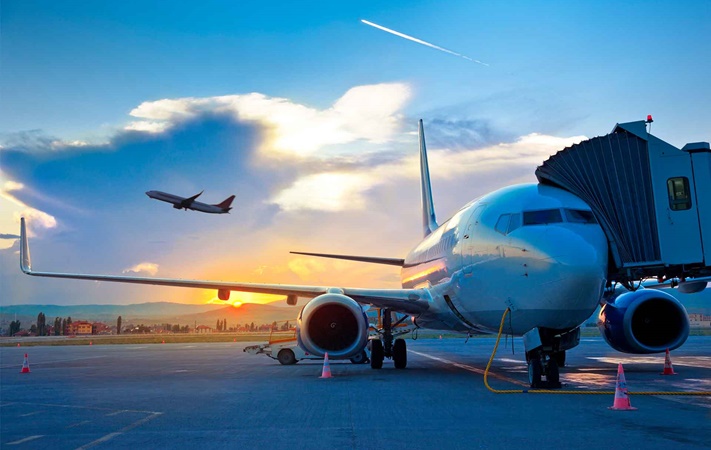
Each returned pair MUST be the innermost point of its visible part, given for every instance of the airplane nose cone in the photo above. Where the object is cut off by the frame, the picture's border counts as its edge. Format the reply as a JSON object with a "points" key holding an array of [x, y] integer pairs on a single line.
{"points": [[581, 266]]}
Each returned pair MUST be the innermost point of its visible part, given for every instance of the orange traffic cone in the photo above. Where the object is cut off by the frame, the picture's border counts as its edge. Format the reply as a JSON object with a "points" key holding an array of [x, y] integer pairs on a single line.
{"points": [[163, 341], [668, 368], [18, 344], [25, 366], [91, 343], [622, 399], [326, 372]]}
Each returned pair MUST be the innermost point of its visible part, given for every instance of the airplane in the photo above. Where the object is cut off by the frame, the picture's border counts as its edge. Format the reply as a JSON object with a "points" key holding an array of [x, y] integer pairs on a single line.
{"points": [[535, 250], [190, 203]]}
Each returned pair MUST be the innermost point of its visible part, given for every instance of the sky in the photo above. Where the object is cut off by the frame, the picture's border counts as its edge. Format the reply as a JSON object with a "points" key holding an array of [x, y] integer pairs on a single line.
{"points": [[309, 116]]}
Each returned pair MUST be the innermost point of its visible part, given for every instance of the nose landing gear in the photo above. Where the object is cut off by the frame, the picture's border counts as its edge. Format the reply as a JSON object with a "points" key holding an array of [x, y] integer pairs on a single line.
{"points": [[542, 364]]}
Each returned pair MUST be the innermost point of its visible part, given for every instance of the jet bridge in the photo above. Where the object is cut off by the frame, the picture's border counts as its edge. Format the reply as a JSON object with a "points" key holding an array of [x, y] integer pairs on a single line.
{"points": [[652, 199]]}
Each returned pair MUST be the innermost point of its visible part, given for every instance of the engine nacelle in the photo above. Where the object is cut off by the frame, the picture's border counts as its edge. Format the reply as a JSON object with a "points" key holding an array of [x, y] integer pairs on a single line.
{"points": [[333, 323], [644, 321]]}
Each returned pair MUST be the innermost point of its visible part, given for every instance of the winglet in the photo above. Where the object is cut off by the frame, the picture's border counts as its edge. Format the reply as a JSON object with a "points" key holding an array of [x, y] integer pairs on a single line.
{"points": [[429, 221], [25, 263]]}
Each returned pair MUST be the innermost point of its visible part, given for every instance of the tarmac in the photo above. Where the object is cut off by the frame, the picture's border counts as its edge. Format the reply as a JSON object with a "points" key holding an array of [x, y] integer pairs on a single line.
{"points": [[213, 395]]}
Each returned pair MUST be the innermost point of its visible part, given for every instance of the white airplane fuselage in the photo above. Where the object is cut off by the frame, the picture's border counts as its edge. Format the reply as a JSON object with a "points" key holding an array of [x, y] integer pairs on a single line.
{"points": [[179, 203], [551, 275]]}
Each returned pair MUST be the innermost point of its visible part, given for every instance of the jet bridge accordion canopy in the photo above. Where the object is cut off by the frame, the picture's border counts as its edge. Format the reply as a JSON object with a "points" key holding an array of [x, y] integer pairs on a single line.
{"points": [[652, 200]]}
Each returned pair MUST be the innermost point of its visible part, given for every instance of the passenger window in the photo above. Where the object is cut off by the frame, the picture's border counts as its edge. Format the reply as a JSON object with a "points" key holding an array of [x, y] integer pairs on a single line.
{"points": [[503, 223], [542, 217], [579, 216], [679, 196], [514, 222]]}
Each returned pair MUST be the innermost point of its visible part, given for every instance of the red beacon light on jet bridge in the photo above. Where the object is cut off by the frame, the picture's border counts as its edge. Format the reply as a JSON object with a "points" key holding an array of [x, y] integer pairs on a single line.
{"points": [[649, 119]]}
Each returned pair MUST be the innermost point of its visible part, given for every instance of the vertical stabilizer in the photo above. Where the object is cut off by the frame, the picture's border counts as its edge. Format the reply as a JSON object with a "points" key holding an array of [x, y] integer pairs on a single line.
{"points": [[429, 222]]}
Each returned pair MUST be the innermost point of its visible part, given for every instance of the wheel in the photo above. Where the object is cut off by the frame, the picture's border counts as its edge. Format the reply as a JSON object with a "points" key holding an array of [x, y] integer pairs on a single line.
{"points": [[286, 357], [360, 358], [377, 354], [535, 371], [552, 372], [400, 353], [559, 358]]}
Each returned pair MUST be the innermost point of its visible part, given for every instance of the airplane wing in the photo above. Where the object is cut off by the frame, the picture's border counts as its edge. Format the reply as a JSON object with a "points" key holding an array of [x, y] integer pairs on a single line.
{"points": [[408, 301], [189, 201]]}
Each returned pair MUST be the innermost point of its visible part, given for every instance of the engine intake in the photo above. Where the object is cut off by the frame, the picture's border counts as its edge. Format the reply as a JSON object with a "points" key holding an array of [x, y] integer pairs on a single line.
{"points": [[332, 323], [644, 321]]}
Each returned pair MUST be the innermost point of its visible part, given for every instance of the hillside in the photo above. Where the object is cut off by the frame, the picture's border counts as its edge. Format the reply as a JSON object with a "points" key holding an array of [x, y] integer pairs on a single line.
{"points": [[151, 313]]}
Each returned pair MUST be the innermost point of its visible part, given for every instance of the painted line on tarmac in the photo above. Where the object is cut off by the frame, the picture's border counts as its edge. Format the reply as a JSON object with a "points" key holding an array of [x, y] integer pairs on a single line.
{"points": [[471, 368], [123, 430], [78, 424], [31, 414], [116, 413], [44, 363], [27, 439]]}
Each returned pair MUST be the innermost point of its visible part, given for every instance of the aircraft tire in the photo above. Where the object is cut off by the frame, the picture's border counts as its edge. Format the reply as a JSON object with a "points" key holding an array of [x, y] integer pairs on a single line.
{"points": [[286, 357], [377, 354], [360, 358], [559, 358], [552, 372], [535, 371], [400, 354]]}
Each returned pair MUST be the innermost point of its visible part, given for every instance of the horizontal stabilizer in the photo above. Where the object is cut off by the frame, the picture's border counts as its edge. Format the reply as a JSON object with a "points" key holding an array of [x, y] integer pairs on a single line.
{"points": [[367, 259]]}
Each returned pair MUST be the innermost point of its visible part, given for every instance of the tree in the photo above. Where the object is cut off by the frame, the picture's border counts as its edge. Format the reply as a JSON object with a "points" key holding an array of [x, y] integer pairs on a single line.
{"points": [[41, 327], [252, 327], [14, 327], [176, 328], [69, 325], [224, 325], [118, 325], [274, 326], [64, 327], [57, 326]]}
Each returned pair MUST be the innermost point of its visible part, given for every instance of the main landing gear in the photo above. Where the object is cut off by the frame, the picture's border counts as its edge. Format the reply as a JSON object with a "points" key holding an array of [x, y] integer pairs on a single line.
{"points": [[388, 347]]}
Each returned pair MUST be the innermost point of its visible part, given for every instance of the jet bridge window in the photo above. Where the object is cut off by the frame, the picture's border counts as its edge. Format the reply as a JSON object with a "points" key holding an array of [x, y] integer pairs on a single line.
{"points": [[542, 217], [679, 198]]}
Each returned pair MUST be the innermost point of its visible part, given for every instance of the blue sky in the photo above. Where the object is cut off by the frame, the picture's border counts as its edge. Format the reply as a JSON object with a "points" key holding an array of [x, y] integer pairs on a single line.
{"points": [[307, 115]]}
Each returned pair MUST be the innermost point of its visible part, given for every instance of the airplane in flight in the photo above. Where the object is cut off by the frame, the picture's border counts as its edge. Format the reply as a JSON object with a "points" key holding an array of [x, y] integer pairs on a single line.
{"points": [[190, 203], [533, 249]]}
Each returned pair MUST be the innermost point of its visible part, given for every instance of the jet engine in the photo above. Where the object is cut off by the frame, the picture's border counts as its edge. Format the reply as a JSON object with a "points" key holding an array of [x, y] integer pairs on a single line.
{"points": [[644, 321], [333, 323]]}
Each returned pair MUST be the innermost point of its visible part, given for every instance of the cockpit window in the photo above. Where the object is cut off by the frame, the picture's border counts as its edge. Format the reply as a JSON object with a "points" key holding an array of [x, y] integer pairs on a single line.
{"points": [[502, 224], [514, 222], [579, 216], [542, 217]]}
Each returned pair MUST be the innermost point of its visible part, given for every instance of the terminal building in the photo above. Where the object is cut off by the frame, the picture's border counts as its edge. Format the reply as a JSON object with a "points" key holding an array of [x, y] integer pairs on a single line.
{"points": [[652, 200]]}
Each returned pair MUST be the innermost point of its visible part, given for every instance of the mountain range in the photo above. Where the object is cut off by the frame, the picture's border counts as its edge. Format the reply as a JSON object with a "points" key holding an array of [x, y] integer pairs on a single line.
{"points": [[153, 313]]}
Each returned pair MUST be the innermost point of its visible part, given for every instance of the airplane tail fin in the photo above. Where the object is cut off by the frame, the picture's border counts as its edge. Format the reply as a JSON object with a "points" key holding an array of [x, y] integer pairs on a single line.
{"points": [[429, 221], [225, 204]]}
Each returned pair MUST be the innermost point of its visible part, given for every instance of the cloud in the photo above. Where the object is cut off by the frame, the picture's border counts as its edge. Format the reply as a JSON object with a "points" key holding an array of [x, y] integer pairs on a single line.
{"points": [[36, 220], [325, 192], [304, 268], [340, 191], [364, 113], [144, 267]]}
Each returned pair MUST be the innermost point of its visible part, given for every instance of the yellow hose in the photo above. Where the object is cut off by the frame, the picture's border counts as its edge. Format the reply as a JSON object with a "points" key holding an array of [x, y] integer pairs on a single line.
{"points": [[558, 391]]}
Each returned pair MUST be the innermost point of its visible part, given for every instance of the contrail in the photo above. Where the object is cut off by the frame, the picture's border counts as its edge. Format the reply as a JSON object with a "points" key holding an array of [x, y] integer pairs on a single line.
{"points": [[420, 41]]}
